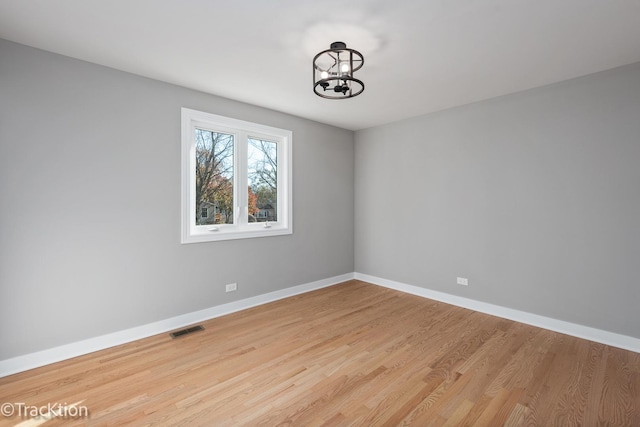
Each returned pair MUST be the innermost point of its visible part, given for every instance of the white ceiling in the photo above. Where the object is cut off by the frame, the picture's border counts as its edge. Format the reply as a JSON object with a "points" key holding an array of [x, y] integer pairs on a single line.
{"points": [[420, 56]]}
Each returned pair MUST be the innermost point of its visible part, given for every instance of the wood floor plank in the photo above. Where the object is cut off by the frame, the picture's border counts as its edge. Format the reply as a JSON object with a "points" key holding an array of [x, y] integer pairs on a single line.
{"points": [[353, 354]]}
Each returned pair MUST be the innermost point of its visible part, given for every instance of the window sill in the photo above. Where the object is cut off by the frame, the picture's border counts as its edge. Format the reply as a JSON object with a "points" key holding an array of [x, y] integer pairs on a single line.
{"points": [[213, 233]]}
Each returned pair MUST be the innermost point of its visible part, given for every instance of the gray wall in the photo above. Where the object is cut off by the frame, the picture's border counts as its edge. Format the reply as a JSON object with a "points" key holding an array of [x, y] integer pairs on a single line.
{"points": [[535, 197], [90, 214]]}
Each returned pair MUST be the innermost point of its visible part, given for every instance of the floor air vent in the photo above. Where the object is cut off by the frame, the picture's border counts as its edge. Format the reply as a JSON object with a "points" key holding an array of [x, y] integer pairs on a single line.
{"points": [[184, 332]]}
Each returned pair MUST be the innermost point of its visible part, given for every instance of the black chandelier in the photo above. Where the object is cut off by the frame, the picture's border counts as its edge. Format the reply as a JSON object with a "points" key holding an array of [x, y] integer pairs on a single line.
{"points": [[333, 72]]}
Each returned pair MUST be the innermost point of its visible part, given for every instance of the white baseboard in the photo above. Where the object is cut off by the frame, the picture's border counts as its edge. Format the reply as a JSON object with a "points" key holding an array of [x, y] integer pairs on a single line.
{"points": [[79, 348], [573, 329]]}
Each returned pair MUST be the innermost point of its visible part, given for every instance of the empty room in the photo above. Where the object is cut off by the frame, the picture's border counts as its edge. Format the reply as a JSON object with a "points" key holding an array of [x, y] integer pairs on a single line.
{"points": [[292, 213]]}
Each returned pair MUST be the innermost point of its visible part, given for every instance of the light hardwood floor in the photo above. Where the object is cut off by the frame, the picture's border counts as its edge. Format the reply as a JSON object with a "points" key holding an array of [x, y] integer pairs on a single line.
{"points": [[350, 354]]}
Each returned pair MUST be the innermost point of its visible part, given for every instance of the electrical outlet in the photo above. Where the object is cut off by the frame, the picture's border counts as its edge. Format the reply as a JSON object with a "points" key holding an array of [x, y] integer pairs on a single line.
{"points": [[462, 281], [231, 287]]}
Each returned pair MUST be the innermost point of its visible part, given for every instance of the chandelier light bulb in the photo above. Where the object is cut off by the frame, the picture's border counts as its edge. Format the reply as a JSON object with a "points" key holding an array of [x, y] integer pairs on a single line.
{"points": [[324, 75], [344, 67]]}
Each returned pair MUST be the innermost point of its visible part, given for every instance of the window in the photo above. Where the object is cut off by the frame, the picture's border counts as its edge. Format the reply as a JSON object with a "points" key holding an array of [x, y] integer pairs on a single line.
{"points": [[236, 179]]}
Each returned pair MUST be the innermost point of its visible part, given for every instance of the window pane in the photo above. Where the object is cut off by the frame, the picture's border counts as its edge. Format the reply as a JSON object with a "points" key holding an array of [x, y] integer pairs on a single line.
{"points": [[214, 177], [263, 180]]}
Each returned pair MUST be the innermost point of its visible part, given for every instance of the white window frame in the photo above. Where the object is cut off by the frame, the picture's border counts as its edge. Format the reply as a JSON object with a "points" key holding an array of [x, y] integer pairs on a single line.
{"points": [[242, 130]]}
